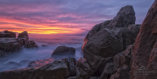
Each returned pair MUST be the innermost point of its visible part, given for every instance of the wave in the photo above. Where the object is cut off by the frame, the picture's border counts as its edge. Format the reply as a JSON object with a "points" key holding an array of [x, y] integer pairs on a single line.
{"points": [[22, 58]]}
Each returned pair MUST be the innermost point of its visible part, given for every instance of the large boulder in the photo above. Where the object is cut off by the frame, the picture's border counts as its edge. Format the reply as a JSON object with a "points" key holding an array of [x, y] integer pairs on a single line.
{"points": [[7, 34], [107, 39], [144, 61], [63, 50]]}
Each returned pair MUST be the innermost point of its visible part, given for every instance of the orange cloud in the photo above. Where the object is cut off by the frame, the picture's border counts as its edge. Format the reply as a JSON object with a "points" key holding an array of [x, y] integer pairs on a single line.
{"points": [[12, 25]]}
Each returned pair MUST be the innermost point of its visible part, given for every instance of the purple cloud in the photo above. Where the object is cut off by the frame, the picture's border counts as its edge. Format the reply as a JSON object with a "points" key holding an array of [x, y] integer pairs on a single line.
{"points": [[68, 13]]}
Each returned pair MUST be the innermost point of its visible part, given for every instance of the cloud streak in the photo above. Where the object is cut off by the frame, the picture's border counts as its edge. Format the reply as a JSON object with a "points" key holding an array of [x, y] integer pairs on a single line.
{"points": [[62, 16]]}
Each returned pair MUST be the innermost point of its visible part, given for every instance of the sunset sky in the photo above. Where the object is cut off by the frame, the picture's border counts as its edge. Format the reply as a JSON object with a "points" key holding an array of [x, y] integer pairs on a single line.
{"points": [[63, 16]]}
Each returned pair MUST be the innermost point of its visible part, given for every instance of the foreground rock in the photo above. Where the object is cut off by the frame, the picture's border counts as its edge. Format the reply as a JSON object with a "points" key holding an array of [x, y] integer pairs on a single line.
{"points": [[144, 65], [10, 44], [108, 39], [63, 50], [55, 70], [60, 69]]}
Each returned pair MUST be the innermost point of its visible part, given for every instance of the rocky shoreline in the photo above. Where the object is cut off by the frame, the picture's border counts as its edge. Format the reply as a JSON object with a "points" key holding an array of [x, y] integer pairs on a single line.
{"points": [[9, 43], [114, 49]]}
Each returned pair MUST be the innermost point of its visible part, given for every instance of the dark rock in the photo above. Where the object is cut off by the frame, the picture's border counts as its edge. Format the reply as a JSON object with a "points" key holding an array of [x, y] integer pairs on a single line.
{"points": [[122, 64], [125, 17], [96, 29], [39, 63], [103, 44], [23, 39], [72, 77], [23, 35], [56, 70], [111, 37], [8, 45], [108, 70], [84, 71], [7, 34], [108, 39], [30, 44], [128, 35], [62, 50], [122, 73], [144, 61], [71, 63]]}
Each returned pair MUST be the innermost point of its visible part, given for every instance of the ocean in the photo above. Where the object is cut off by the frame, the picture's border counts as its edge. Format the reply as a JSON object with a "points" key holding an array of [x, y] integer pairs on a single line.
{"points": [[47, 44]]}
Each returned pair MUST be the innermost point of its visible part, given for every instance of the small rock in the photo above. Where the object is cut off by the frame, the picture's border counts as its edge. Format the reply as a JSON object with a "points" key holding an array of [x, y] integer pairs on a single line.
{"points": [[63, 50]]}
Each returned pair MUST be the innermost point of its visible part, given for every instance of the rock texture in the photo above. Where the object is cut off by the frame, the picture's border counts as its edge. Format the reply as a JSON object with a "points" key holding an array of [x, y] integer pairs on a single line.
{"points": [[109, 52], [144, 65], [10, 44], [108, 39], [125, 17]]}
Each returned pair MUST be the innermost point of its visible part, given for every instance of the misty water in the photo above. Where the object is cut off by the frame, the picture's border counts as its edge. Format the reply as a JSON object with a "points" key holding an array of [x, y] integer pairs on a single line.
{"points": [[22, 58]]}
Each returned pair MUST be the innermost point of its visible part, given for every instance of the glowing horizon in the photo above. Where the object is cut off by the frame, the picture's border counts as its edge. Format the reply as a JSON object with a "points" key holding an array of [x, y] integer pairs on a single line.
{"points": [[62, 16]]}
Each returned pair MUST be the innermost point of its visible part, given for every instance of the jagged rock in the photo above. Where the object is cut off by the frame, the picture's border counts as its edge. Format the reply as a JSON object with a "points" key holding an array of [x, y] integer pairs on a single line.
{"points": [[7, 34], [111, 37], [125, 17], [122, 73], [83, 70], [128, 35], [63, 50], [71, 63], [23, 39], [122, 64], [144, 61], [10, 44], [108, 70]]}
